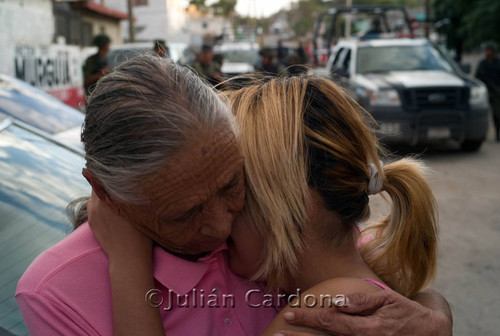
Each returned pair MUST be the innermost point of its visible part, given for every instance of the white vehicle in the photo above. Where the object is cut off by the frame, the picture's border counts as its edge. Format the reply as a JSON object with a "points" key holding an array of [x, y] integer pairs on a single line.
{"points": [[178, 52], [34, 108], [238, 57], [415, 92]]}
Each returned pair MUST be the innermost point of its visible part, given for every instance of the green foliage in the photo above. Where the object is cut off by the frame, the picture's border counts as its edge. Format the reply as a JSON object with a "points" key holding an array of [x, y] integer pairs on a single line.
{"points": [[388, 2], [471, 22], [482, 23], [197, 3], [224, 7], [304, 13]]}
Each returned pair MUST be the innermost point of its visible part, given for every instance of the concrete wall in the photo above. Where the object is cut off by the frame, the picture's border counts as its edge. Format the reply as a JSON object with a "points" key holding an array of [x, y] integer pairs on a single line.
{"points": [[159, 19], [109, 27], [27, 50], [23, 22]]}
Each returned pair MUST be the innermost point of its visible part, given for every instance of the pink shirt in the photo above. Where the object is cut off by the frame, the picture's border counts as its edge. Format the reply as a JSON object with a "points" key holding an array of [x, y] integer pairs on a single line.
{"points": [[66, 291]]}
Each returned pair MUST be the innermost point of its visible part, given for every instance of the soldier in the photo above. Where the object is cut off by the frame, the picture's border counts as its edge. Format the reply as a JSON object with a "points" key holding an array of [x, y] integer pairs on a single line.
{"points": [[206, 67], [161, 49], [282, 54], [267, 64], [488, 71], [96, 66]]}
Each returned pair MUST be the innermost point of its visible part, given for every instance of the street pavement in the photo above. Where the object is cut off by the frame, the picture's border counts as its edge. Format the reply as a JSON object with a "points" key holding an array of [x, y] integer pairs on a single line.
{"points": [[467, 188]]}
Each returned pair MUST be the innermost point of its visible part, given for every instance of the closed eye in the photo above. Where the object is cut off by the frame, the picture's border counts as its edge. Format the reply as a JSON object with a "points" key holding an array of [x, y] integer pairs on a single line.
{"points": [[190, 214], [232, 185]]}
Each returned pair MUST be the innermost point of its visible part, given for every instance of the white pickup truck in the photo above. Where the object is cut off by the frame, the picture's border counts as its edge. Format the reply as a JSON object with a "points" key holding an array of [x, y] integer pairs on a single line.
{"points": [[413, 90]]}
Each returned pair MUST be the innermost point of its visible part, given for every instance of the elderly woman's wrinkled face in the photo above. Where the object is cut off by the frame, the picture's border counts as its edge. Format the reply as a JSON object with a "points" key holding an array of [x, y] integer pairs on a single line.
{"points": [[195, 198]]}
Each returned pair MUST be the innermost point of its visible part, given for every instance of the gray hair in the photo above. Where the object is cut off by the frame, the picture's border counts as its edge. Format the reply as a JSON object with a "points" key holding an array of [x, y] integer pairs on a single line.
{"points": [[140, 115]]}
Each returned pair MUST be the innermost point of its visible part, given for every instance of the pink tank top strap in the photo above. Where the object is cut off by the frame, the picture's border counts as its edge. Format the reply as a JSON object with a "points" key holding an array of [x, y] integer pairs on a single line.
{"points": [[376, 283]]}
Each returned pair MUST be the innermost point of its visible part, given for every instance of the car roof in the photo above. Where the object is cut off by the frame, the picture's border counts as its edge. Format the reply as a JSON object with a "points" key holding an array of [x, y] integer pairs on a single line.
{"points": [[61, 139], [384, 42], [236, 46], [37, 180], [135, 45], [33, 106]]}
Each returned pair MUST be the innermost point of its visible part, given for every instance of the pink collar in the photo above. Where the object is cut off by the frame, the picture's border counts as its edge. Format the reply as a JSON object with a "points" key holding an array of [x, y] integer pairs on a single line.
{"points": [[178, 274]]}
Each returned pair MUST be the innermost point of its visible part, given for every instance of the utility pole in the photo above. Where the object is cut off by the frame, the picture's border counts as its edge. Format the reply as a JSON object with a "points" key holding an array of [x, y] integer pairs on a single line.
{"points": [[131, 30], [348, 3], [427, 17]]}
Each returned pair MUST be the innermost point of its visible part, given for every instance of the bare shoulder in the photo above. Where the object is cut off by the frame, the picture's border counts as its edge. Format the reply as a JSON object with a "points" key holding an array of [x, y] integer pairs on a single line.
{"points": [[320, 296], [343, 286]]}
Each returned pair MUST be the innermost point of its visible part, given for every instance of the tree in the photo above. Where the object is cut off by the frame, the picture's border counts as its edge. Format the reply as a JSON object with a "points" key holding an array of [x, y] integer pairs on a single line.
{"points": [[482, 23], [468, 23], [224, 7], [197, 3], [304, 13]]}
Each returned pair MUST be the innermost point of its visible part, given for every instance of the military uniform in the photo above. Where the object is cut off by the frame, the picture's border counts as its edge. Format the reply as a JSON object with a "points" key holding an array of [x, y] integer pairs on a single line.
{"points": [[489, 73], [96, 64], [209, 72], [93, 65]]}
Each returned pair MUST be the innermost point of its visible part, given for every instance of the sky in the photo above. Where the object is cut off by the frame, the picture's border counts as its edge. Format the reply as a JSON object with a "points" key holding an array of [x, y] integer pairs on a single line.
{"points": [[258, 8]]}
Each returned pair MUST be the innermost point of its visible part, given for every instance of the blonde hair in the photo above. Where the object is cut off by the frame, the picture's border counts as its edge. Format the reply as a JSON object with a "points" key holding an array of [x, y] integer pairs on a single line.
{"points": [[303, 133]]}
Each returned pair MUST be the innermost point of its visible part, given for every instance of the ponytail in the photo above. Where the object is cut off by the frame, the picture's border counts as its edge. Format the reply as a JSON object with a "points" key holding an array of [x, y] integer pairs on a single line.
{"points": [[403, 252], [76, 211]]}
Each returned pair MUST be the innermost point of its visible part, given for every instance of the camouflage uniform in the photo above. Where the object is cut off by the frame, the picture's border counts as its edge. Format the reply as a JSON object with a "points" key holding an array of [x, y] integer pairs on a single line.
{"points": [[489, 73], [208, 72], [93, 64]]}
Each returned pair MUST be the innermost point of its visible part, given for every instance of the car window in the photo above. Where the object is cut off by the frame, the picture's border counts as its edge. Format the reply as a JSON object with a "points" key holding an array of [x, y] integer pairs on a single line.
{"points": [[180, 53], [346, 63], [35, 107], [241, 56], [37, 180], [336, 61], [400, 58], [118, 56]]}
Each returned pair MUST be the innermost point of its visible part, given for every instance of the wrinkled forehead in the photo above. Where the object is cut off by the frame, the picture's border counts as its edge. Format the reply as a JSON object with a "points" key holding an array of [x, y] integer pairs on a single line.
{"points": [[205, 165]]}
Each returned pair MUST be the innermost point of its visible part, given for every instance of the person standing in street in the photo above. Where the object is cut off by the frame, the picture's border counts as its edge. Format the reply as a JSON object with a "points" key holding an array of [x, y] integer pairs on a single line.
{"points": [[160, 49], [96, 66], [205, 66], [488, 72], [282, 54], [302, 54], [267, 64]]}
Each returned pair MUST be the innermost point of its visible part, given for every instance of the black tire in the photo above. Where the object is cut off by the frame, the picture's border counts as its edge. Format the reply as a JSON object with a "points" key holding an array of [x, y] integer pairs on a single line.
{"points": [[471, 145]]}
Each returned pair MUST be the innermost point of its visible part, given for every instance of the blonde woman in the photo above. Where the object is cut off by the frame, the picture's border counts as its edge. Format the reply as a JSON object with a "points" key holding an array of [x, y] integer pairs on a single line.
{"points": [[310, 163]]}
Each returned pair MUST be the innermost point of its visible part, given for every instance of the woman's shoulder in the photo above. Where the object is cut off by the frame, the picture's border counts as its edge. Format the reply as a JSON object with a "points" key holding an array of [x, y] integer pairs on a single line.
{"points": [[79, 252], [322, 295], [343, 285]]}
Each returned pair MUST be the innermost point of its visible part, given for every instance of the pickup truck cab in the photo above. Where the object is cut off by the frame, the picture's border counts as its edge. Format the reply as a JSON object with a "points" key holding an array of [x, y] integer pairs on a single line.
{"points": [[414, 91]]}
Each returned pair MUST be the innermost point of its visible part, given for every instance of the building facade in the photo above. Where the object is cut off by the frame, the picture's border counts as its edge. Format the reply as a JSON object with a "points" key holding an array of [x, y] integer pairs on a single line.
{"points": [[154, 19], [44, 43]]}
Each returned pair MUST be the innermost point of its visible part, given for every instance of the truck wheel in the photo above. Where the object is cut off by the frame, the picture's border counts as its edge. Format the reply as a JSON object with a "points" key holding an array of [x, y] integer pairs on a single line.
{"points": [[471, 145]]}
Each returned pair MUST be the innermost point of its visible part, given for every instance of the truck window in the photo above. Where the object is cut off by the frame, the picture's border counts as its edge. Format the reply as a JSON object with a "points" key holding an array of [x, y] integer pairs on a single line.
{"points": [[400, 58], [336, 61]]}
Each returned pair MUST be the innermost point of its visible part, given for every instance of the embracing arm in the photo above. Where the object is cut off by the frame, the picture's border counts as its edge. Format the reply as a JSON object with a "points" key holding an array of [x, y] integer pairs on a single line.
{"points": [[381, 313], [437, 303], [130, 269], [130, 280]]}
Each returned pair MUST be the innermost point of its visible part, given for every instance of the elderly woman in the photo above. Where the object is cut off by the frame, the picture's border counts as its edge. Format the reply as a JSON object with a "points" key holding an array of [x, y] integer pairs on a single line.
{"points": [[165, 167]]}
